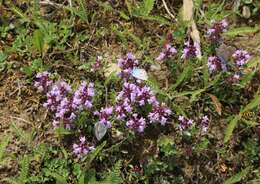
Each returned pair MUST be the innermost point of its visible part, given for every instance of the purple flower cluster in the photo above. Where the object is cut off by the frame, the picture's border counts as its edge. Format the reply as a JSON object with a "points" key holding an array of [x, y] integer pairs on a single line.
{"points": [[190, 50], [123, 108], [168, 52], [61, 102], [215, 64], [241, 57], [135, 95], [136, 123], [82, 148], [138, 95], [55, 95], [43, 81], [127, 64], [65, 105], [129, 92], [214, 33], [145, 96], [65, 112], [159, 114], [82, 98], [105, 115], [204, 124], [185, 123]]}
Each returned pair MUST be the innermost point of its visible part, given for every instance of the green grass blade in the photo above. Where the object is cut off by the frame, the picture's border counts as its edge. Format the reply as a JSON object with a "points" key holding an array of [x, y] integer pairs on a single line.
{"points": [[238, 177], [3, 145], [231, 126]]}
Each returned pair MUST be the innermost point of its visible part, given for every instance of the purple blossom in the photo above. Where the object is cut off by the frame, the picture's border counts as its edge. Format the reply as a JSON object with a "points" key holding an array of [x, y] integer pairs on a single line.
{"points": [[104, 116], [185, 123], [129, 92], [215, 64], [241, 57], [204, 124], [214, 33], [191, 50], [82, 98], [160, 114], [127, 64], [168, 52], [122, 109], [82, 148], [136, 123], [146, 96], [65, 112], [43, 81], [97, 65], [58, 91]]}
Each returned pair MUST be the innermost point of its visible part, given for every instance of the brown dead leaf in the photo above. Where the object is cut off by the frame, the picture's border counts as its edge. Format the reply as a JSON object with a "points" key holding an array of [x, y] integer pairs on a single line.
{"points": [[223, 168], [216, 103]]}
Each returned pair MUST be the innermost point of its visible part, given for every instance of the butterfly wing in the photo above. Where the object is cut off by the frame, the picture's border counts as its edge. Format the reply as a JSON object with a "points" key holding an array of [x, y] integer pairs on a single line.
{"points": [[140, 74], [100, 130]]}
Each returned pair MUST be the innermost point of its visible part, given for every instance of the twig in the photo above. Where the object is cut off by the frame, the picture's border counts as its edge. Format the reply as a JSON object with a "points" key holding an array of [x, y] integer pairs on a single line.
{"points": [[70, 3], [21, 119], [168, 11], [47, 2]]}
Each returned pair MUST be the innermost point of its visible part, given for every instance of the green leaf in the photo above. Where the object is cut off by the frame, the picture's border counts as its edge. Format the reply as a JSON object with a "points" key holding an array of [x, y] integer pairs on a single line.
{"points": [[3, 57], [184, 75], [38, 40], [82, 179], [123, 15], [3, 145], [254, 103], [25, 137], [238, 177], [241, 31], [203, 145], [36, 66], [59, 179], [147, 7], [231, 126], [253, 62], [129, 7], [195, 94], [90, 176], [114, 176], [19, 13], [24, 170], [91, 156], [246, 79], [165, 140], [159, 19], [60, 131]]}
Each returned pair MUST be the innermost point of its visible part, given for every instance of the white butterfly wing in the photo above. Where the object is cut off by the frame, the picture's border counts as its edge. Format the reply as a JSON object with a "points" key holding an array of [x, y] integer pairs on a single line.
{"points": [[100, 130], [140, 74]]}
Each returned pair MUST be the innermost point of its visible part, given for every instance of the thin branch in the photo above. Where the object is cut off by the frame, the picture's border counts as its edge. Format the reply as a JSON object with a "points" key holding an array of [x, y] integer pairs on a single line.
{"points": [[47, 2], [168, 11], [70, 3]]}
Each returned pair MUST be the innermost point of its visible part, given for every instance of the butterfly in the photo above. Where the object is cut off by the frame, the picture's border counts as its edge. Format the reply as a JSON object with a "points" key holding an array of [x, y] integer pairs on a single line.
{"points": [[224, 53], [139, 74], [100, 130]]}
